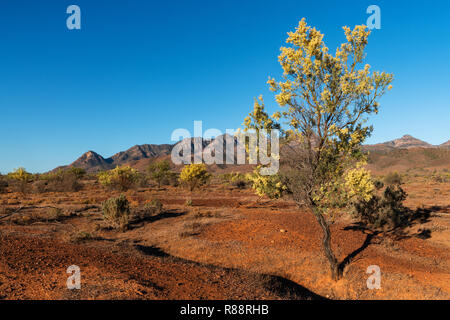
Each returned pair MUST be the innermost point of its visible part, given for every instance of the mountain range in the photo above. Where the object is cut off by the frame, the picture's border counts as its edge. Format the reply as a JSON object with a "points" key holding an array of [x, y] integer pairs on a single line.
{"points": [[139, 156]]}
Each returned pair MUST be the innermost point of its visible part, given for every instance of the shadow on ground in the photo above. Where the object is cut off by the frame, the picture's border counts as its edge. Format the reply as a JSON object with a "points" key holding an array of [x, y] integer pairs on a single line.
{"points": [[280, 286]]}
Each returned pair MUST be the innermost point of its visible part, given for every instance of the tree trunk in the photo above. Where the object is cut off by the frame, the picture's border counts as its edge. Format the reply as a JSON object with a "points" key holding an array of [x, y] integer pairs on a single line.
{"points": [[336, 273]]}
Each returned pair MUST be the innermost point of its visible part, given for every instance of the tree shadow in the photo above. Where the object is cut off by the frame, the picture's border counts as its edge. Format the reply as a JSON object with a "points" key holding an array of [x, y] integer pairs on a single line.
{"points": [[137, 221], [349, 258], [399, 232]]}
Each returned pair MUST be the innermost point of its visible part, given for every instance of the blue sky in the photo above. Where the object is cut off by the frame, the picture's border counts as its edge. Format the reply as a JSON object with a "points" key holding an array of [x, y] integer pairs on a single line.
{"points": [[137, 70]]}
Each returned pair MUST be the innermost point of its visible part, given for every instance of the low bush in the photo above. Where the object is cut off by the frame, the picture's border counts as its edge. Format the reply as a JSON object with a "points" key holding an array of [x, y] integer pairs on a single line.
{"points": [[393, 178], [150, 209], [116, 212], [120, 178], [67, 180], [160, 173], [20, 180], [194, 176], [270, 185], [385, 210], [235, 179]]}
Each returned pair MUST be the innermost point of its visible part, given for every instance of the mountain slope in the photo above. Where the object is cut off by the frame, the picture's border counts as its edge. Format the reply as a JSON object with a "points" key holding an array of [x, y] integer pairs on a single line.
{"points": [[405, 142], [140, 156], [445, 144]]}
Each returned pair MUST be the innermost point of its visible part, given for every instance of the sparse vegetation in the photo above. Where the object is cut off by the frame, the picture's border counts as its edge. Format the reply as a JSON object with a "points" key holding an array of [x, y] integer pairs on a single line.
{"points": [[116, 212], [81, 236], [120, 178], [20, 180], [235, 179], [194, 176], [393, 178], [67, 180], [150, 209], [160, 173]]}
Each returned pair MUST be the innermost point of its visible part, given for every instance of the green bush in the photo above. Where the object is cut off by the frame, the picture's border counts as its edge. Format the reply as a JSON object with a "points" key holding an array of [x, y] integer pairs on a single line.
{"points": [[120, 178], [150, 209], [67, 180], [235, 179], [385, 210], [116, 212], [160, 173], [20, 180]]}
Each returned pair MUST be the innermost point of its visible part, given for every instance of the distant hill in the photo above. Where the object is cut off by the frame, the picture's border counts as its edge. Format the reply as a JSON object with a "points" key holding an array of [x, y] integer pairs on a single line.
{"points": [[140, 156], [445, 144], [405, 142], [403, 153]]}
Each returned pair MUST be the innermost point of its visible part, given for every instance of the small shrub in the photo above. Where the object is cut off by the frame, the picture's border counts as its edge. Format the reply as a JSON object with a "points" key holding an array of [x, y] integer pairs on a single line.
{"points": [[385, 210], [440, 177], [81, 237], [67, 180], [194, 176], [20, 180], [270, 185], [190, 229], [120, 178], [378, 184], [393, 178], [188, 203], [160, 173], [116, 212], [235, 179], [150, 209], [40, 186], [54, 214]]}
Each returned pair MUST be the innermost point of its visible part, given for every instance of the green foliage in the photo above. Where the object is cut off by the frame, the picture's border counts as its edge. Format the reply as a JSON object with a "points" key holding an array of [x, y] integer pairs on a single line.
{"points": [[385, 210], [20, 180], [194, 176], [235, 179], [120, 178], [150, 209], [266, 185], [20, 174], [116, 212], [442, 177], [62, 180], [79, 173], [160, 173]]}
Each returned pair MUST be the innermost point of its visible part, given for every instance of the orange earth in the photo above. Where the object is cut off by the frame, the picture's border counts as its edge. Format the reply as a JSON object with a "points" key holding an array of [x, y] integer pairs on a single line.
{"points": [[227, 244]]}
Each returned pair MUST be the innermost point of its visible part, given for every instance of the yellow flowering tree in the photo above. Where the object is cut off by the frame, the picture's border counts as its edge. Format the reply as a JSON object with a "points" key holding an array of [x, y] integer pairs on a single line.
{"points": [[325, 100]]}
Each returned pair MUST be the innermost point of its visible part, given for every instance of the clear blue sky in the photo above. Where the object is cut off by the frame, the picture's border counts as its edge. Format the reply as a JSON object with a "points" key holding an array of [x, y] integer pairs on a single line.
{"points": [[137, 70]]}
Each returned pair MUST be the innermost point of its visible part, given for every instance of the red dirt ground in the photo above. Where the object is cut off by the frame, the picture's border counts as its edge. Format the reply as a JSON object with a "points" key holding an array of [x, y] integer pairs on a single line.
{"points": [[218, 248]]}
